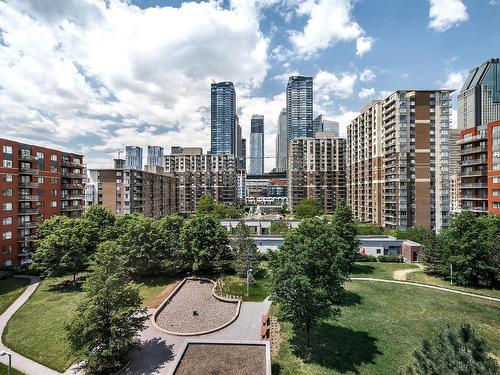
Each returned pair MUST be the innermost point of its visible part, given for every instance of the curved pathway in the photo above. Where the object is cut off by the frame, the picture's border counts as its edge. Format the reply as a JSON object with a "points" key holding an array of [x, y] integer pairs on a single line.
{"points": [[426, 286]]}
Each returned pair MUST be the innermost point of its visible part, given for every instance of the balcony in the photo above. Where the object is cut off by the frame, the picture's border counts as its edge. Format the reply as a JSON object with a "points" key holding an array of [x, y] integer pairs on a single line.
{"points": [[473, 150], [27, 157], [29, 211], [28, 198], [474, 198], [29, 185], [28, 225], [67, 163], [29, 171], [28, 238], [72, 175], [474, 138], [73, 197], [72, 208], [72, 186], [477, 185], [473, 174]]}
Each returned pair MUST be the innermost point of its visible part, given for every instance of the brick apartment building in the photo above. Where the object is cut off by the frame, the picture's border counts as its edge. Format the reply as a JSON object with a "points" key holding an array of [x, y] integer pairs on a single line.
{"points": [[36, 183]]}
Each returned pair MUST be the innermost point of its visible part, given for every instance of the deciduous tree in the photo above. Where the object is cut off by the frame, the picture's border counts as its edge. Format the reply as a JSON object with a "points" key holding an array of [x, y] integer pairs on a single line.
{"points": [[245, 249], [308, 208]]}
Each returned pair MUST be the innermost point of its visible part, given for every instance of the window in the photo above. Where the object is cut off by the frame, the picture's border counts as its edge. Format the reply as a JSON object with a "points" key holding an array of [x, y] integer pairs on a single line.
{"points": [[53, 168], [7, 150], [53, 180], [496, 180], [7, 177], [53, 204], [7, 206], [7, 220], [7, 192], [496, 204], [7, 249], [53, 192], [379, 251], [40, 180], [7, 235], [496, 193], [7, 163], [40, 155], [53, 157], [7, 263]]}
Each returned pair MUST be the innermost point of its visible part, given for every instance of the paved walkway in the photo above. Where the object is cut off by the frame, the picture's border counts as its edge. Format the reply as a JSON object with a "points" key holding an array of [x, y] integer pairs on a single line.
{"points": [[402, 274], [427, 286]]}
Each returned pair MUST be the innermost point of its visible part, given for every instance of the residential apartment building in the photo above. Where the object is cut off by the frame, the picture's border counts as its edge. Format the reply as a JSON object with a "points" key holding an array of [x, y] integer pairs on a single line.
{"points": [[203, 174], [125, 190], [282, 142], [398, 160], [133, 157], [299, 107], [478, 102], [320, 124], [257, 145], [223, 119], [454, 170], [155, 155], [316, 169], [36, 184]]}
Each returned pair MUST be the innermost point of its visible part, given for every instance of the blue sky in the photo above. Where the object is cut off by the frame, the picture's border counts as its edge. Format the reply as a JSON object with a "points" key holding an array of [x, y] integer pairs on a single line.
{"points": [[92, 77]]}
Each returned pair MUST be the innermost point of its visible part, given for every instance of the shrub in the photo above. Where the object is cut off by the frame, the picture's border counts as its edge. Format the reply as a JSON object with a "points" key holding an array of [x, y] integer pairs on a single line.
{"points": [[366, 258], [390, 258]]}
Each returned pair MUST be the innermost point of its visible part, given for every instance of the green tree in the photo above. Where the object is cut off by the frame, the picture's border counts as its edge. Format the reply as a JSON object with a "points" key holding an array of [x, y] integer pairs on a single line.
{"points": [[208, 206], [245, 249], [308, 273], [170, 227], [101, 216], [66, 247], [308, 208], [49, 226], [346, 230], [105, 328], [369, 229], [454, 351], [205, 244], [492, 224], [279, 227], [283, 209]]}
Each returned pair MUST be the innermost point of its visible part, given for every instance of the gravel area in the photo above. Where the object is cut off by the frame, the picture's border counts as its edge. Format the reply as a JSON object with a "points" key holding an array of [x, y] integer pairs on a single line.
{"points": [[215, 359], [177, 315]]}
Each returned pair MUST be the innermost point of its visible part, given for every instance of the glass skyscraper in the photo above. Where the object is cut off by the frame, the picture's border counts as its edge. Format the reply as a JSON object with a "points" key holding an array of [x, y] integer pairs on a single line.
{"points": [[299, 107], [320, 124], [155, 155], [223, 119], [133, 157], [282, 142], [257, 145]]}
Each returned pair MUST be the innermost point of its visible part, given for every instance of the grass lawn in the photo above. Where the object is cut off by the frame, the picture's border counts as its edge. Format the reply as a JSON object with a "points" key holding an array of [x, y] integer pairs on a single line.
{"points": [[378, 270], [380, 327], [155, 289], [4, 370], [37, 329], [236, 286], [422, 277], [10, 290]]}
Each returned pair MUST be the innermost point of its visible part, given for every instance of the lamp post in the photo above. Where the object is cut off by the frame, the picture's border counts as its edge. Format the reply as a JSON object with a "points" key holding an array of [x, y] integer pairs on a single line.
{"points": [[10, 360], [249, 272]]}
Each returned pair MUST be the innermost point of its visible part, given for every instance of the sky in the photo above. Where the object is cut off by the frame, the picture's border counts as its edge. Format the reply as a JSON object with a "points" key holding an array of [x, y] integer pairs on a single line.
{"points": [[92, 76]]}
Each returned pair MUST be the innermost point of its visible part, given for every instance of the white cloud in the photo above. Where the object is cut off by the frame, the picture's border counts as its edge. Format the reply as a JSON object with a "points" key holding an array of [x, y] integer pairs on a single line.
{"points": [[329, 21], [366, 93], [328, 84], [444, 14], [454, 80], [367, 75], [116, 74], [344, 118]]}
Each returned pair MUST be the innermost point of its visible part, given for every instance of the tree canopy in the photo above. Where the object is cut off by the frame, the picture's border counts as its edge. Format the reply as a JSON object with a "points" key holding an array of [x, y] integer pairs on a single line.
{"points": [[245, 249], [279, 227], [308, 208], [207, 205]]}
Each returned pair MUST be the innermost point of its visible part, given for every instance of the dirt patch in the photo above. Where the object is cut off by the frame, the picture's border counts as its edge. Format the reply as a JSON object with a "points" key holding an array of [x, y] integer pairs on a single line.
{"points": [[212, 359], [401, 275], [155, 301]]}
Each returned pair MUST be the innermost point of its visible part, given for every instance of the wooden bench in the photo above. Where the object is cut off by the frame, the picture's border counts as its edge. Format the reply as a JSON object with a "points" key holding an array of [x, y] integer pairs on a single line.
{"points": [[264, 328]]}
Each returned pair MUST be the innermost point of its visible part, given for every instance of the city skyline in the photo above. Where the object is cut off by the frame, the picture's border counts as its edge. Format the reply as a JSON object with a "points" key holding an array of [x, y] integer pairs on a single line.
{"points": [[99, 99]]}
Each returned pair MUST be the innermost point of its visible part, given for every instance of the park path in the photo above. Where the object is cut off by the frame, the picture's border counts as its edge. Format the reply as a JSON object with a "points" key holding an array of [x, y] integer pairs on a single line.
{"points": [[401, 274], [494, 299]]}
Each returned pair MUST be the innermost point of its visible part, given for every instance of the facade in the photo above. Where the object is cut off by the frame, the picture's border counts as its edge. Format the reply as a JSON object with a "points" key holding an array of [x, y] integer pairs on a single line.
{"points": [[316, 169], [257, 145], [224, 132], [478, 102], [398, 160], [36, 184], [125, 191], [388, 245], [454, 170], [133, 157], [155, 156], [299, 107], [202, 174], [320, 124], [243, 164], [282, 142]]}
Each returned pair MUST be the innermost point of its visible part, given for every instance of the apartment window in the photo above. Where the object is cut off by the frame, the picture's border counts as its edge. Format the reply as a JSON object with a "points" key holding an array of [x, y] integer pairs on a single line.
{"points": [[39, 180], [53, 204], [53, 193], [7, 263], [496, 180], [53, 157], [7, 177], [40, 155], [7, 249], [7, 220], [7, 235], [53, 180], [7, 192], [7, 163], [53, 168], [496, 204], [7, 206], [7, 150], [496, 193]]}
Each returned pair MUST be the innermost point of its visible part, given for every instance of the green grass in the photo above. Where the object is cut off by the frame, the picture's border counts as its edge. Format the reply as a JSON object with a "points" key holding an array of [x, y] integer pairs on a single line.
{"points": [[10, 290], [152, 287], [424, 278], [379, 328], [37, 329], [4, 370], [236, 286], [378, 270]]}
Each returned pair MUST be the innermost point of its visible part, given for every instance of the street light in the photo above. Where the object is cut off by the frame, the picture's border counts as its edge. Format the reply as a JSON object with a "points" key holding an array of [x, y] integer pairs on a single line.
{"points": [[10, 360], [249, 272]]}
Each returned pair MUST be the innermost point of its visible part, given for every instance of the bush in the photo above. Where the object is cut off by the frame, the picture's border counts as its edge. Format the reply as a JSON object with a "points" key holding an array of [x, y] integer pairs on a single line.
{"points": [[5, 274], [366, 258], [390, 258]]}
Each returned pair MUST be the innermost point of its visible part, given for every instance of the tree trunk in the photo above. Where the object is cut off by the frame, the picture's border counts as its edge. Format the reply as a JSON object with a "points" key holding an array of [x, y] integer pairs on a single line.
{"points": [[308, 343], [74, 278]]}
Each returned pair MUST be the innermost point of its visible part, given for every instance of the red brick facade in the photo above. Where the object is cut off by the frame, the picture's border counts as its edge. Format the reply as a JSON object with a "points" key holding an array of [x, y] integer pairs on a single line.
{"points": [[494, 167], [36, 183]]}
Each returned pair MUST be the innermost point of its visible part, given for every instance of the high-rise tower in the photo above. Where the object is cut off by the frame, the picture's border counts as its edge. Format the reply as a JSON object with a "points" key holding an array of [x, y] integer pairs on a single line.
{"points": [[223, 119], [257, 145], [299, 107], [282, 142]]}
